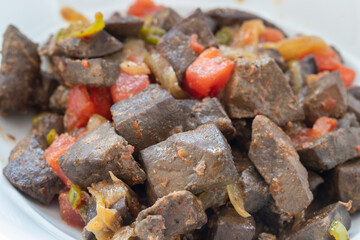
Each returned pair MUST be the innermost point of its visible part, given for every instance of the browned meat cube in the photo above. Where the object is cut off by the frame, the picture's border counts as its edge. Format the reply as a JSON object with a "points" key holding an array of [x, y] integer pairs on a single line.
{"points": [[58, 99], [315, 180], [209, 110], [28, 170], [166, 18], [346, 182], [230, 225], [349, 120], [20, 69], [259, 87], [121, 27], [175, 47], [328, 89], [99, 45], [353, 106], [99, 72], [308, 65], [317, 226], [45, 87], [176, 213], [331, 149], [50, 121], [149, 117], [274, 54], [278, 162], [355, 92], [197, 161], [91, 158]]}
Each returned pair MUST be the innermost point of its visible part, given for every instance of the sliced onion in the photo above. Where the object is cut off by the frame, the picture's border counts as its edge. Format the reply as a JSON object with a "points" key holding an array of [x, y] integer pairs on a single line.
{"points": [[236, 199]]}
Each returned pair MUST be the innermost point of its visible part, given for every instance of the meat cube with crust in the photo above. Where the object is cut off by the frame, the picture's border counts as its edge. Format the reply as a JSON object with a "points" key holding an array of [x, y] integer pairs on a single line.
{"points": [[166, 18], [196, 161], [92, 72], [175, 44], [20, 69], [45, 87], [58, 99], [326, 97], [99, 45], [353, 106], [121, 27], [277, 161], [149, 117], [28, 170], [315, 180], [91, 158], [50, 121], [209, 110], [258, 86], [317, 226], [230, 225], [345, 180], [331, 149], [176, 213]]}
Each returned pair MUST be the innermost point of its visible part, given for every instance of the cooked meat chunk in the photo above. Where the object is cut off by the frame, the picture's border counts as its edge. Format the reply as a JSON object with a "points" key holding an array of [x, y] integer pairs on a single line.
{"points": [[149, 117], [230, 225], [99, 45], [175, 44], [345, 180], [177, 213], [315, 180], [29, 172], [274, 54], [229, 17], [258, 86], [93, 72], [215, 197], [50, 121], [58, 99], [355, 92], [91, 158], [209, 110], [272, 151], [308, 65], [90, 214], [256, 192], [20, 68], [349, 120], [45, 87], [331, 149], [196, 161], [121, 27], [353, 106], [326, 97], [317, 226], [166, 18]]}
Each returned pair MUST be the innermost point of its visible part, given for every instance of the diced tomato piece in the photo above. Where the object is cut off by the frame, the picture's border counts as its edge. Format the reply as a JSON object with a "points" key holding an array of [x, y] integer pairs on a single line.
{"points": [[347, 75], [208, 73], [302, 137], [128, 85], [79, 108], [272, 35], [143, 8], [101, 98], [323, 125], [55, 150], [194, 45], [69, 215]]}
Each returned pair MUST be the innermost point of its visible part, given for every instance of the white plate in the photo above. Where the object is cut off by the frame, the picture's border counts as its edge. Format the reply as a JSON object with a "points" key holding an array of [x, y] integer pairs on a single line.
{"points": [[20, 217]]}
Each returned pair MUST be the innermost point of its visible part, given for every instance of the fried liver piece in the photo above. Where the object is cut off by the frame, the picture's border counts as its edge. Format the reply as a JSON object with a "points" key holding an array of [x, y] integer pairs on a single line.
{"points": [[345, 180], [331, 149], [166, 18], [258, 86], [45, 87], [91, 158], [29, 172], [99, 45], [175, 47], [20, 68], [278, 162], [58, 99], [230, 225], [209, 110], [317, 226], [120, 27], [50, 121], [196, 161], [315, 180], [326, 97], [353, 105], [97, 71], [173, 214], [149, 117]]}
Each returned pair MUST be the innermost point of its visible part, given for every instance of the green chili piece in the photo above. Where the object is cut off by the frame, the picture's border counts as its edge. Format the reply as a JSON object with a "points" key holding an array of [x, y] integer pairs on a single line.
{"points": [[74, 196], [51, 136], [338, 231]]}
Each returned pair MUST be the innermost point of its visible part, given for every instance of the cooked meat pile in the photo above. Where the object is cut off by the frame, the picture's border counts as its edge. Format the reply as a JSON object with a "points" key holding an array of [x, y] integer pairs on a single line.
{"points": [[217, 125]]}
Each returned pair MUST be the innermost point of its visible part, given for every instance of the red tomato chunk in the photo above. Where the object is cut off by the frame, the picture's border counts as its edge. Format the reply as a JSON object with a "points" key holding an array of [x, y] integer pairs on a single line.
{"points": [[143, 8], [128, 85], [208, 73], [69, 215], [271, 35]]}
